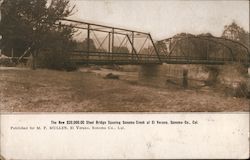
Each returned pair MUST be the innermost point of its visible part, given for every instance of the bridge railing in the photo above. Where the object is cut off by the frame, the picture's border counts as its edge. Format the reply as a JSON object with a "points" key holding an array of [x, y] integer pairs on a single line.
{"points": [[107, 57]]}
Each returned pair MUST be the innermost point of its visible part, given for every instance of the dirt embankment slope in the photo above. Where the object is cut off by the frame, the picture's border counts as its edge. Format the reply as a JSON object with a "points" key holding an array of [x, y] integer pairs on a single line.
{"points": [[56, 91]]}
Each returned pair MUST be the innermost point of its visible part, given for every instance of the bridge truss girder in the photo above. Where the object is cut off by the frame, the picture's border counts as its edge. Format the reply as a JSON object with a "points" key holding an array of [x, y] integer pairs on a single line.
{"points": [[168, 46], [112, 51]]}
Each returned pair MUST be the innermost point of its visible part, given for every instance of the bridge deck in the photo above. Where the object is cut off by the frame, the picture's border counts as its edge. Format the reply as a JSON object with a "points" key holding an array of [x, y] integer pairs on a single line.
{"points": [[126, 59]]}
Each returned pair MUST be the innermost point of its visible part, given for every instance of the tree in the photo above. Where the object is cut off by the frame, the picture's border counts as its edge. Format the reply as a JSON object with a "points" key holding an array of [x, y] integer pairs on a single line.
{"points": [[121, 49], [237, 33], [92, 46], [31, 24]]}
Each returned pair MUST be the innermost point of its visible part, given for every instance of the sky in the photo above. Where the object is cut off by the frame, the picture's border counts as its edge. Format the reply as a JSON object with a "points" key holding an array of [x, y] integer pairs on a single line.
{"points": [[165, 18]]}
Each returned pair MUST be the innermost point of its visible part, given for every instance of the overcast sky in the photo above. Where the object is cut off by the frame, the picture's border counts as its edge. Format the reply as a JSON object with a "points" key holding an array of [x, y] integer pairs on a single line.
{"points": [[163, 18]]}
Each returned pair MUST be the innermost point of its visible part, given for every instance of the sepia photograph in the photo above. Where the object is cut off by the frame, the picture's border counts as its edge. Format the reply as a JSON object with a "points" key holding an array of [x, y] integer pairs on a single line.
{"points": [[133, 66], [124, 56]]}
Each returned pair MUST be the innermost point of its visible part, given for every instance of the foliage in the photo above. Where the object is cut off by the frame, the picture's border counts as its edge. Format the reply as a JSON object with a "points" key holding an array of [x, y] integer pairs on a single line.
{"points": [[55, 54], [232, 45], [121, 49], [189, 45], [31, 23], [237, 33], [83, 46]]}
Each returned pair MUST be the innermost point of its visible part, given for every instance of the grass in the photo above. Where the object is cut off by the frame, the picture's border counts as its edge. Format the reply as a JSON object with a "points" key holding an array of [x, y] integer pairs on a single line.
{"points": [[24, 90]]}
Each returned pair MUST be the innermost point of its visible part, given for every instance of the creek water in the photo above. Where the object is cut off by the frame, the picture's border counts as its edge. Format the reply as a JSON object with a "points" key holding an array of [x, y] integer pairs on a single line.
{"points": [[156, 75]]}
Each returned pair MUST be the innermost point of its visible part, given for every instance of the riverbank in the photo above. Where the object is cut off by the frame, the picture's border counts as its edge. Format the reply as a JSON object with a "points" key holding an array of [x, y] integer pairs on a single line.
{"points": [[57, 91]]}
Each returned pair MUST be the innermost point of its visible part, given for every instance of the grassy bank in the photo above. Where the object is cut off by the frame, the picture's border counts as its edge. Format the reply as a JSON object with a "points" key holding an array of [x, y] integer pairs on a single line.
{"points": [[24, 90]]}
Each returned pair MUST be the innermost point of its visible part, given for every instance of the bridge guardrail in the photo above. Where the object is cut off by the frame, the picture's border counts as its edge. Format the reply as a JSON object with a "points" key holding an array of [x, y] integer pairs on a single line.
{"points": [[107, 57]]}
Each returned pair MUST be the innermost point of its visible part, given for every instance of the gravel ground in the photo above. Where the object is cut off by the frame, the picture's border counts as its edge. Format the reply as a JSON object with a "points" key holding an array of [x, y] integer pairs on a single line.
{"points": [[24, 90]]}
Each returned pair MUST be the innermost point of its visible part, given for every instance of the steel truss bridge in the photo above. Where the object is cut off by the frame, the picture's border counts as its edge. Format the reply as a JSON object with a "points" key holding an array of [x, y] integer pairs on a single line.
{"points": [[102, 44]]}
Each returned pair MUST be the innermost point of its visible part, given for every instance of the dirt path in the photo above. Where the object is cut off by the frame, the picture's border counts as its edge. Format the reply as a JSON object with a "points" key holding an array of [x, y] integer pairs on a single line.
{"points": [[57, 91]]}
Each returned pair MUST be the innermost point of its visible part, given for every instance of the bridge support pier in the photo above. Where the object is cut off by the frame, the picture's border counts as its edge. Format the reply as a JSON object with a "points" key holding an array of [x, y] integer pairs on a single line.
{"points": [[149, 74], [149, 71], [158, 74], [185, 78]]}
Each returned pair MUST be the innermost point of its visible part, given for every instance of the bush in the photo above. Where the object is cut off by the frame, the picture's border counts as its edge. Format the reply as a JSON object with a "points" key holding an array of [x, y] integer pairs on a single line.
{"points": [[55, 60], [241, 90], [70, 66], [237, 90]]}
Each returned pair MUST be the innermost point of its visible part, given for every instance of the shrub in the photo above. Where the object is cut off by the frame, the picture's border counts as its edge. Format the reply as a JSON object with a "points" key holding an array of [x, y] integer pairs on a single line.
{"points": [[55, 60], [238, 89], [241, 90], [70, 66]]}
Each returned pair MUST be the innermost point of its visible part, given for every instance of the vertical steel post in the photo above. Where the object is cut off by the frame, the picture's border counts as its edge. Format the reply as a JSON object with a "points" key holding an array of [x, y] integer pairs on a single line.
{"points": [[207, 47], [88, 42], [157, 53], [133, 45], [170, 45], [113, 41], [109, 49]]}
